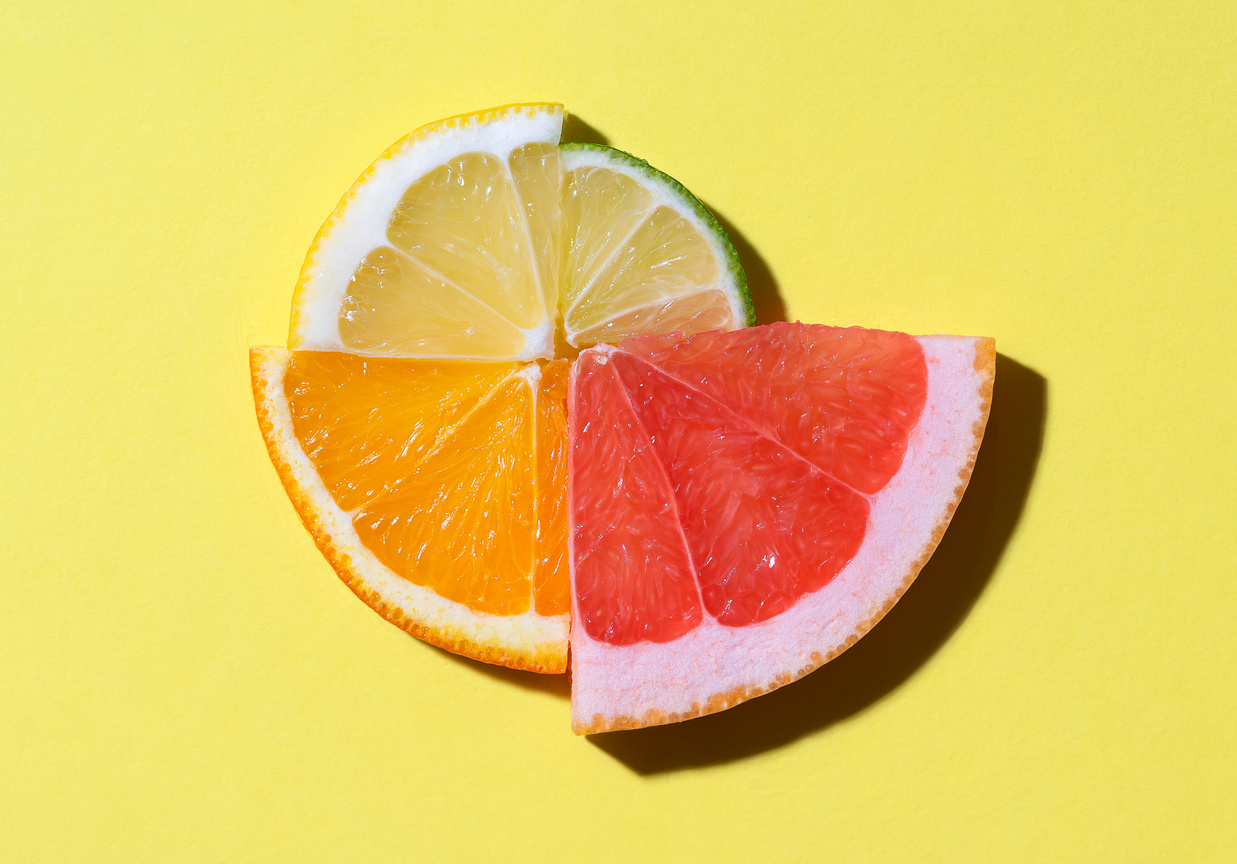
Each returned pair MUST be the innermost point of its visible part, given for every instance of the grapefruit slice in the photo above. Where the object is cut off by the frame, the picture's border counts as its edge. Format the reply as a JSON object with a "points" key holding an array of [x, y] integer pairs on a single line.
{"points": [[745, 505]]}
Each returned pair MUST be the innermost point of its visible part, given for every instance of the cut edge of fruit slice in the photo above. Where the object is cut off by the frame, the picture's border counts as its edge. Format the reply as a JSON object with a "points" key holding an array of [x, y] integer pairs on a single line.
{"points": [[714, 667], [668, 192], [358, 224], [527, 641]]}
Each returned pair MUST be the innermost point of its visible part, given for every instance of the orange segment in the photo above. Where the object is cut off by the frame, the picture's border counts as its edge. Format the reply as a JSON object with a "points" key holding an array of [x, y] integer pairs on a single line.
{"points": [[366, 423], [462, 523], [453, 474], [551, 585]]}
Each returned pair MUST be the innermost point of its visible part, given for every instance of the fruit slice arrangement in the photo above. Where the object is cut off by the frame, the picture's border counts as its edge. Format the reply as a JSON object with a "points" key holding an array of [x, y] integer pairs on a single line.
{"points": [[744, 501]]}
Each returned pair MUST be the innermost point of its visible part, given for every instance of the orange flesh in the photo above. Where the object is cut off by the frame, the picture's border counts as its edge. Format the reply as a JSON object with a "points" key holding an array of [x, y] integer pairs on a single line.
{"points": [[551, 588], [761, 446], [444, 468]]}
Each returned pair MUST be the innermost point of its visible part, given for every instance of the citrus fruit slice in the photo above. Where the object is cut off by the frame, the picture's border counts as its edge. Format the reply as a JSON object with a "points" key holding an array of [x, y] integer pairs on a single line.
{"points": [[446, 246], [414, 421], [434, 488], [745, 505], [642, 254]]}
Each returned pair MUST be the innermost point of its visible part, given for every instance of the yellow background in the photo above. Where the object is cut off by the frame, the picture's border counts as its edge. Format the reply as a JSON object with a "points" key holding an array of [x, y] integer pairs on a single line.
{"points": [[182, 677]]}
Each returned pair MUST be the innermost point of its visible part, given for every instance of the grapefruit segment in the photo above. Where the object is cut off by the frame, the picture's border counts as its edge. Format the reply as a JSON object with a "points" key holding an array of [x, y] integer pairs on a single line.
{"points": [[700, 437], [843, 398], [631, 568], [763, 525]]}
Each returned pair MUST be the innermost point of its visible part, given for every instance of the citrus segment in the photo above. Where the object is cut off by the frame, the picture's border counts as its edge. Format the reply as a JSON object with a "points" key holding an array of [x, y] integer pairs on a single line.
{"points": [[779, 599], [636, 242], [367, 423], [845, 399], [551, 591], [397, 306], [691, 313], [463, 521], [763, 525], [381, 458], [537, 172], [465, 221], [446, 246], [631, 570]]}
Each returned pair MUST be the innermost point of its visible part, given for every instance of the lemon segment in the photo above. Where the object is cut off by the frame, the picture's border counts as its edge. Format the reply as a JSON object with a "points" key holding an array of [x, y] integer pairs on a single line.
{"points": [[445, 247]]}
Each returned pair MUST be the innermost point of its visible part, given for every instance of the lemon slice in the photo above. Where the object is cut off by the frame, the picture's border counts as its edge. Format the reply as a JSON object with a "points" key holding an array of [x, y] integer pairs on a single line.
{"points": [[446, 247]]}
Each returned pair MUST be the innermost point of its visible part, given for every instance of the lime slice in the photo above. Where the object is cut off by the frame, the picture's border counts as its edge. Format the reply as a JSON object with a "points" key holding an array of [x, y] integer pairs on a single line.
{"points": [[641, 254]]}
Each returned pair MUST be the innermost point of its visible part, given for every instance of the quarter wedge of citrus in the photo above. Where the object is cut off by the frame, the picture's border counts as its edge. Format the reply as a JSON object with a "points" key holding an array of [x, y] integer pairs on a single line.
{"points": [[417, 419], [745, 505]]}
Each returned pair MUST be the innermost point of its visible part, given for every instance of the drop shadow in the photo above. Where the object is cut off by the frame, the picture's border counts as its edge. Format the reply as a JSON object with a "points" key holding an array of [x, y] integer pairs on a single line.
{"points": [[921, 622], [576, 130], [555, 685], [766, 296]]}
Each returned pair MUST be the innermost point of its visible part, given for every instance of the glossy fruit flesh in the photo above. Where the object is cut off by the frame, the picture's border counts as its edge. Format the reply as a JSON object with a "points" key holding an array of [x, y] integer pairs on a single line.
{"points": [[471, 264], [729, 474], [631, 263], [452, 473]]}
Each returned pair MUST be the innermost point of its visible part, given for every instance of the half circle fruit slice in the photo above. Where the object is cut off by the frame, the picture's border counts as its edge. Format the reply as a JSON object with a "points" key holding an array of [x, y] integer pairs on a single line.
{"points": [[745, 505], [434, 488]]}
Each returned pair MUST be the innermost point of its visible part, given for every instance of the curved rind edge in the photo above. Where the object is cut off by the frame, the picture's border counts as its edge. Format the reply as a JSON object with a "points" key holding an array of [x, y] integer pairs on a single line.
{"points": [[301, 293], [733, 266], [985, 366], [267, 368]]}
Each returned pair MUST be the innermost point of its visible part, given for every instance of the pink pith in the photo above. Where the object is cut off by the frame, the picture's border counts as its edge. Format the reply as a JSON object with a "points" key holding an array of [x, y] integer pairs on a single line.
{"points": [[714, 666]]}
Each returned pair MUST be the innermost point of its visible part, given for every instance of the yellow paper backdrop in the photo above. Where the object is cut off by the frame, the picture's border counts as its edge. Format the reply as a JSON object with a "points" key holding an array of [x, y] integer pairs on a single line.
{"points": [[184, 679]]}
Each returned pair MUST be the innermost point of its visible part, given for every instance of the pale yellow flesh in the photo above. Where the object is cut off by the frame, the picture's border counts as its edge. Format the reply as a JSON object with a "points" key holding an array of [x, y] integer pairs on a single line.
{"points": [[471, 265], [632, 265], [483, 251]]}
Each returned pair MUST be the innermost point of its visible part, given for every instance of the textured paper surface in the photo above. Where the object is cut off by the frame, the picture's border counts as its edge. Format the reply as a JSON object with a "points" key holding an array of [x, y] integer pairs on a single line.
{"points": [[185, 679]]}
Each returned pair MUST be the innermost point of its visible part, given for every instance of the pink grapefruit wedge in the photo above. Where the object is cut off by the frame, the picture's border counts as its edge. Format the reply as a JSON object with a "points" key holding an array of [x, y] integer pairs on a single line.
{"points": [[745, 505]]}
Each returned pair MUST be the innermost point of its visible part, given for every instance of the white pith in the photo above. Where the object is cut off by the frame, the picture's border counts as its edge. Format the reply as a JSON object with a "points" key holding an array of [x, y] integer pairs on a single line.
{"points": [[527, 633], [616, 683], [663, 196], [361, 226]]}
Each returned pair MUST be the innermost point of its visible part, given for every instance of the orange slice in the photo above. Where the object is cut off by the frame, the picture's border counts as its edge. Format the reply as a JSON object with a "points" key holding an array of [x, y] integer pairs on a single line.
{"points": [[433, 488]]}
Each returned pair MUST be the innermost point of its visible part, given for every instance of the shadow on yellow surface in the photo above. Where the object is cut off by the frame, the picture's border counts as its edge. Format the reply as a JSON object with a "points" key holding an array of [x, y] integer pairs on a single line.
{"points": [[558, 685], [576, 130], [918, 625], [766, 298]]}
